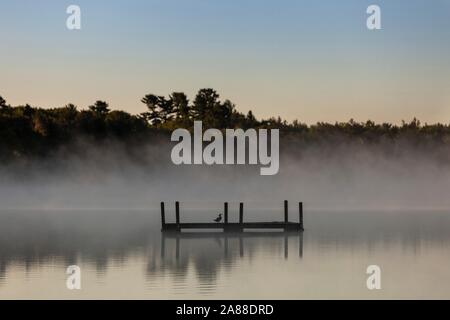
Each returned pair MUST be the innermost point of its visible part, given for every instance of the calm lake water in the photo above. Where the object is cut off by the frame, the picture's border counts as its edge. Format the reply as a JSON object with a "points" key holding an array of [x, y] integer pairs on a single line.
{"points": [[123, 255]]}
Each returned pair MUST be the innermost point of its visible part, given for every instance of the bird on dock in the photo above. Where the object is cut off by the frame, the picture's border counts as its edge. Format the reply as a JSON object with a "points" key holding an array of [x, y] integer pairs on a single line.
{"points": [[219, 218]]}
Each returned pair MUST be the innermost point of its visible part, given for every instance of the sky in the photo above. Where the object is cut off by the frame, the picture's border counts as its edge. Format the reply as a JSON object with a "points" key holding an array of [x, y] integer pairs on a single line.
{"points": [[305, 59]]}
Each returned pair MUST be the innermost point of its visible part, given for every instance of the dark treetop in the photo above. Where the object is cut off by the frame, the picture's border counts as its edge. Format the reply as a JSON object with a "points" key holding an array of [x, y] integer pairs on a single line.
{"points": [[27, 131]]}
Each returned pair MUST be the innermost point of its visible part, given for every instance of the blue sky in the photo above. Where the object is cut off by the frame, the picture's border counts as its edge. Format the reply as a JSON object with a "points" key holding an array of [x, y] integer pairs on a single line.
{"points": [[306, 59]]}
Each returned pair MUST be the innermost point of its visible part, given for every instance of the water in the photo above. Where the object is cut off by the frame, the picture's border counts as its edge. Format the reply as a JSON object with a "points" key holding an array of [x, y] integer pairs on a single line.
{"points": [[123, 255]]}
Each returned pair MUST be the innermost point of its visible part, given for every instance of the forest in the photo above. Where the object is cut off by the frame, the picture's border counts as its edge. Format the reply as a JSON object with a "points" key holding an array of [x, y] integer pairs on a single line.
{"points": [[27, 132]]}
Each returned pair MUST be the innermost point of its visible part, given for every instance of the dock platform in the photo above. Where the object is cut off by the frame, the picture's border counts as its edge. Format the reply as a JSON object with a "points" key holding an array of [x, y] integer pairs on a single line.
{"points": [[226, 226]]}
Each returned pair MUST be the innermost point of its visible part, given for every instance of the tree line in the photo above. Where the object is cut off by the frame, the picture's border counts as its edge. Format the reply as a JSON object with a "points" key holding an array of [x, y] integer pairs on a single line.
{"points": [[33, 131]]}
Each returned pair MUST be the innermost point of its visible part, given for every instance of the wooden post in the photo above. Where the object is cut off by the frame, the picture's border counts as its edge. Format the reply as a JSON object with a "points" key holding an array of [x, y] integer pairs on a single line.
{"points": [[177, 213], [163, 216], [286, 218], [225, 212], [300, 214], [241, 213]]}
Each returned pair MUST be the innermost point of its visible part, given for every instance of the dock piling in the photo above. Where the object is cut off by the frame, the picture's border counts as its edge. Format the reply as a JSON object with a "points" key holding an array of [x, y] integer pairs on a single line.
{"points": [[225, 212], [300, 214], [241, 213], [286, 218], [177, 213], [163, 216]]}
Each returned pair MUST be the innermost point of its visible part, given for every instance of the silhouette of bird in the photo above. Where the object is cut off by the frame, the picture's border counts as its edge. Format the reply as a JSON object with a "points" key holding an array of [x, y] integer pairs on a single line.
{"points": [[219, 218]]}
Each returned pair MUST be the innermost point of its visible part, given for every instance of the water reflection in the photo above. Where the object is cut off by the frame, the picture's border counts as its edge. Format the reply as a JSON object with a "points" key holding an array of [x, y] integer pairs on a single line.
{"points": [[38, 238], [210, 252], [114, 241], [223, 241]]}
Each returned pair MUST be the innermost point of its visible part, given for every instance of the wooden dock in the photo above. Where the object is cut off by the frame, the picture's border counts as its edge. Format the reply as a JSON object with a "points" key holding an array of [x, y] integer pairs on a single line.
{"points": [[227, 226]]}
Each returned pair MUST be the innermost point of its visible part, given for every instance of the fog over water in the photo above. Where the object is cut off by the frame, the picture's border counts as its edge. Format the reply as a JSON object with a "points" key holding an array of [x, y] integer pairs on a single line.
{"points": [[110, 176], [98, 207]]}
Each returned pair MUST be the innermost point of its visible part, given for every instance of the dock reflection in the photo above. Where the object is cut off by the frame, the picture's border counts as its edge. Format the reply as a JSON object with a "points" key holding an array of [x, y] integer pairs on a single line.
{"points": [[226, 238], [210, 254]]}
